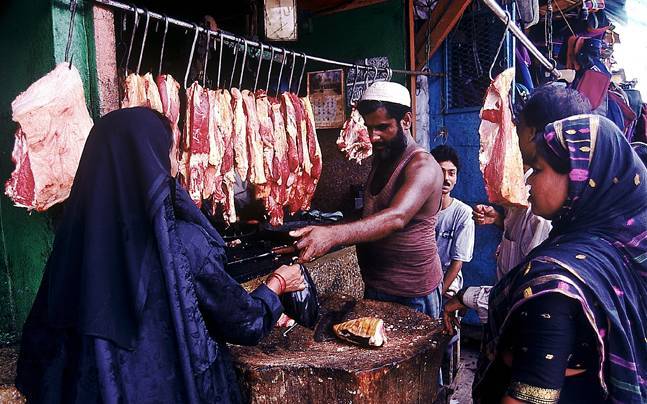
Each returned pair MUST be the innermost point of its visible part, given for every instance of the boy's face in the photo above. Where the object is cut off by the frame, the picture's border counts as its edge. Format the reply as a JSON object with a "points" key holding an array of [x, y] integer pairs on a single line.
{"points": [[450, 172]]}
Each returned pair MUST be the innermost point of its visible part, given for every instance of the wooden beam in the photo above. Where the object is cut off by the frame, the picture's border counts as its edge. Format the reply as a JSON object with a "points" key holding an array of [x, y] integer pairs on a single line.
{"points": [[412, 62], [442, 21]]}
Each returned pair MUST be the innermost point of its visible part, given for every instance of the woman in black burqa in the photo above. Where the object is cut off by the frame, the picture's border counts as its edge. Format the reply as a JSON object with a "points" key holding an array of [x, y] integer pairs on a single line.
{"points": [[135, 305]]}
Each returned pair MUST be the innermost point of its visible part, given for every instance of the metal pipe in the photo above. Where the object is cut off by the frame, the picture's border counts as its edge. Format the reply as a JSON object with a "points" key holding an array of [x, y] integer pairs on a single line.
{"points": [[235, 39], [501, 14]]}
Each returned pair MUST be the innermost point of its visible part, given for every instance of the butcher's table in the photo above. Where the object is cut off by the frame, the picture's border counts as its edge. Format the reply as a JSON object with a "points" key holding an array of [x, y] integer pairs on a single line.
{"points": [[312, 366]]}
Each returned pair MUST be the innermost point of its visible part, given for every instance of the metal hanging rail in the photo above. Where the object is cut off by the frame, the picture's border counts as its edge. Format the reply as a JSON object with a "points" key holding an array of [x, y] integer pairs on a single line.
{"points": [[238, 40], [505, 17]]}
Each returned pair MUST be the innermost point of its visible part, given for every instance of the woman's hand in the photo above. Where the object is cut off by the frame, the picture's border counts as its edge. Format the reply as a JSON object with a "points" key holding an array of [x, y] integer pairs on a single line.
{"points": [[286, 279]]}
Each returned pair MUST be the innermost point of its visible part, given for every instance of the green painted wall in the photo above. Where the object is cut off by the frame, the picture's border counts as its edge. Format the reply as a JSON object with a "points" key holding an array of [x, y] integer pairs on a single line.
{"points": [[377, 30], [33, 36]]}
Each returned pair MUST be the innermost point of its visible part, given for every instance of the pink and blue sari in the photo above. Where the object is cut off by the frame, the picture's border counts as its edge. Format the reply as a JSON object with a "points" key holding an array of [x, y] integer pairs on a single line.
{"points": [[596, 255]]}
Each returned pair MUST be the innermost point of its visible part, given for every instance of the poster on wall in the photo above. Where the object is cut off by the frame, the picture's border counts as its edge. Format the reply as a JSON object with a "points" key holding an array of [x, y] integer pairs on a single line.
{"points": [[327, 96]]}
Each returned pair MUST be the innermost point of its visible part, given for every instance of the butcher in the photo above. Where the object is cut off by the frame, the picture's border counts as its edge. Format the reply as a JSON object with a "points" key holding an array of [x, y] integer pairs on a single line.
{"points": [[395, 238]]}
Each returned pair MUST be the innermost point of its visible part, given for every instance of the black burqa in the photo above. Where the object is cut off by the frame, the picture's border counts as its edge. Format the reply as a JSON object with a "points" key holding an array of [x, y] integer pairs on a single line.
{"points": [[118, 227]]}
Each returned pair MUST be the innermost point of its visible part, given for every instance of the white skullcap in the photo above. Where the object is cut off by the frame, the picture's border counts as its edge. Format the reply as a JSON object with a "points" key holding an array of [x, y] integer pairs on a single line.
{"points": [[388, 91]]}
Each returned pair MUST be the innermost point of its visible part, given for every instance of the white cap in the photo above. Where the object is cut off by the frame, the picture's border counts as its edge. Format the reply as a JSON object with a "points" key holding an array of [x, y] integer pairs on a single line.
{"points": [[388, 91]]}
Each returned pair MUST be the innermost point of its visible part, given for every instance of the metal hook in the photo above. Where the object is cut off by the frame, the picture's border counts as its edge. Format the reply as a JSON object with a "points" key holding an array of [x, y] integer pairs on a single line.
{"points": [[219, 59], [132, 35], [233, 67], [269, 71], [159, 69], [195, 39], [70, 32], [258, 68], [278, 83], [303, 69], [375, 76], [294, 61], [242, 66], [366, 78], [389, 74], [505, 34], [352, 89], [206, 58], [141, 51]]}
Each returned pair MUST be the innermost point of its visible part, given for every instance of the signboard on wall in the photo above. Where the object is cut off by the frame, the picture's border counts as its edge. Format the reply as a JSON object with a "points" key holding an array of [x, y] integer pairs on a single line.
{"points": [[280, 20], [327, 96]]}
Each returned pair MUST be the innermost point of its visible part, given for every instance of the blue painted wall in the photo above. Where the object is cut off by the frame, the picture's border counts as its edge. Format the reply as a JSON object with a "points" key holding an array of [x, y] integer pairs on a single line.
{"points": [[462, 135]]}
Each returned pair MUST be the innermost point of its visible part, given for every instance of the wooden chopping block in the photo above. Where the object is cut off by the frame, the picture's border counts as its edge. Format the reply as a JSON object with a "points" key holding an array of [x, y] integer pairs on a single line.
{"points": [[296, 368]]}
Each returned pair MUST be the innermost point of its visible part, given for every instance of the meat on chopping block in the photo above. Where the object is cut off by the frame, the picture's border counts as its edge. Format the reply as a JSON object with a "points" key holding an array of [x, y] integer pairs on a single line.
{"points": [[353, 138], [225, 125], [256, 173], [241, 154], [141, 91], [53, 125], [314, 152], [297, 368], [169, 90], [499, 156]]}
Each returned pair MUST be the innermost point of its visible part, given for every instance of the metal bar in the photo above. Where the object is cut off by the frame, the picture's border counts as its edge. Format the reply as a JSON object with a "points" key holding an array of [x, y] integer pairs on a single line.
{"points": [[501, 14], [235, 39]]}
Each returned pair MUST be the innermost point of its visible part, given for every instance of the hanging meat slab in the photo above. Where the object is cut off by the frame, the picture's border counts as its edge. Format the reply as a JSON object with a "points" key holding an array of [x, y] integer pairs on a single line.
{"points": [[53, 124], [141, 91], [297, 198], [314, 152], [256, 173], [499, 155], [353, 138], [241, 154], [225, 124], [279, 192], [266, 131], [198, 141], [213, 179], [169, 90]]}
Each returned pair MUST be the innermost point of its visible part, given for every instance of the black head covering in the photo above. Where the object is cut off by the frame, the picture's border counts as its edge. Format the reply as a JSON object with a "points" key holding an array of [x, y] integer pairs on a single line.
{"points": [[96, 277]]}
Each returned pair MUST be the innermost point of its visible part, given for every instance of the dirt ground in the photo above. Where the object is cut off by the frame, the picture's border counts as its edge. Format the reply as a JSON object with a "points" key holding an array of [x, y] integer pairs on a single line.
{"points": [[8, 358]]}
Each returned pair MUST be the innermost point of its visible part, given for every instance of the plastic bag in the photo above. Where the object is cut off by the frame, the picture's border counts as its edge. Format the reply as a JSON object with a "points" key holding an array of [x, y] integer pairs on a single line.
{"points": [[303, 305]]}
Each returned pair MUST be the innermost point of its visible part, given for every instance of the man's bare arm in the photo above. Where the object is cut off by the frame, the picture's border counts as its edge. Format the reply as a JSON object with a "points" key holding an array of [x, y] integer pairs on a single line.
{"points": [[422, 181]]}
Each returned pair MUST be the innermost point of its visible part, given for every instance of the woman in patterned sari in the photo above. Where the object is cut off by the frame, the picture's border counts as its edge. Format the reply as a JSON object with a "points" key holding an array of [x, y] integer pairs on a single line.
{"points": [[568, 324]]}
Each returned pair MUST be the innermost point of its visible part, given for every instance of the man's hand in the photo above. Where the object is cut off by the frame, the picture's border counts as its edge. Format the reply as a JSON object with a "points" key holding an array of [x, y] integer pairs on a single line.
{"points": [[485, 214], [449, 314], [314, 241]]}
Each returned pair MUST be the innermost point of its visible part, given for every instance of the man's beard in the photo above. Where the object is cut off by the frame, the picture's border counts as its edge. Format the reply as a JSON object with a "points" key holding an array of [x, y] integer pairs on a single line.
{"points": [[393, 149]]}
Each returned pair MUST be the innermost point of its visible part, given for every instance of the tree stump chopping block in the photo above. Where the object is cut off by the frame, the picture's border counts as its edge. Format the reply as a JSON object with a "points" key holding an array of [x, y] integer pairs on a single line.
{"points": [[302, 367]]}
